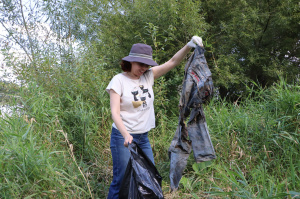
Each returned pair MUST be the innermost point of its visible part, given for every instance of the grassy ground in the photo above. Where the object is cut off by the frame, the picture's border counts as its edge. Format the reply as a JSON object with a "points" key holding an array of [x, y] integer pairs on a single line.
{"points": [[59, 147]]}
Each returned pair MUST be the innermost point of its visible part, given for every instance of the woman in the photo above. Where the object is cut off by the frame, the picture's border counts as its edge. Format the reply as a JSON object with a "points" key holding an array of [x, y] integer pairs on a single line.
{"points": [[131, 103]]}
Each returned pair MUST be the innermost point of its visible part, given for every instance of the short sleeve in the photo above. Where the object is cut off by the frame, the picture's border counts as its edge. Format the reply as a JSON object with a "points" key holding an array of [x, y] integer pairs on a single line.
{"points": [[149, 77], [115, 84]]}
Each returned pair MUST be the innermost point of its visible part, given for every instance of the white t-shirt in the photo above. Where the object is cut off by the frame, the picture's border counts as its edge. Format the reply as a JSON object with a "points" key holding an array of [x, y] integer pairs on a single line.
{"points": [[136, 106]]}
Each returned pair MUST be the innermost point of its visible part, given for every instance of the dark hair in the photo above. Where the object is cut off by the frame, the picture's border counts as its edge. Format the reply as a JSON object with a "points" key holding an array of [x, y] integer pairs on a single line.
{"points": [[126, 66]]}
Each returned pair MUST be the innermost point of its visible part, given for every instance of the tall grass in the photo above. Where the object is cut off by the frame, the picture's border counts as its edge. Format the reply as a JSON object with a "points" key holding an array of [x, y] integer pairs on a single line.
{"points": [[59, 146], [53, 150], [257, 144]]}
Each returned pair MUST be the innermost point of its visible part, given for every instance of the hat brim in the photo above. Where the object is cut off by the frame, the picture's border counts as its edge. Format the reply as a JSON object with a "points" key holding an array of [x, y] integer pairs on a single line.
{"points": [[149, 62]]}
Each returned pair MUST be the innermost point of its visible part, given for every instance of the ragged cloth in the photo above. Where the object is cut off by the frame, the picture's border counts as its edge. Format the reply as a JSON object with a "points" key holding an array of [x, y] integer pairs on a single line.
{"points": [[197, 88]]}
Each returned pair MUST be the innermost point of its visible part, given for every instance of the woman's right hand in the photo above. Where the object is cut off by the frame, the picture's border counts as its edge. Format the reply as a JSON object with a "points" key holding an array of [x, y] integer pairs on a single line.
{"points": [[128, 139], [195, 40]]}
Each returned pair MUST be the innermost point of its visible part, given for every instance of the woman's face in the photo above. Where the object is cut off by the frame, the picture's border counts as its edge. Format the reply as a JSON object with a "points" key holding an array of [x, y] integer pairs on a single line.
{"points": [[138, 69]]}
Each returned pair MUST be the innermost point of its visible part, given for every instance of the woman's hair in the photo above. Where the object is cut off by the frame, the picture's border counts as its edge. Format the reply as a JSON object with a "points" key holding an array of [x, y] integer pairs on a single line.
{"points": [[126, 66]]}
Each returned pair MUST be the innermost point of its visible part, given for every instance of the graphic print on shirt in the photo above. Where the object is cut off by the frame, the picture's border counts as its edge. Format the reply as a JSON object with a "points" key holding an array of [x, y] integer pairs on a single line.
{"points": [[140, 95]]}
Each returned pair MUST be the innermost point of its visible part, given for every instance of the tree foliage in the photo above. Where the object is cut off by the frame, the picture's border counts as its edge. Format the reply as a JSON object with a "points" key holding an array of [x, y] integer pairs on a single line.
{"points": [[245, 39], [253, 40]]}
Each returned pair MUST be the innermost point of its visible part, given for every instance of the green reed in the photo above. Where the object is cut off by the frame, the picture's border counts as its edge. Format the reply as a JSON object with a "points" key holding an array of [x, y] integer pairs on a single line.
{"points": [[58, 146], [257, 144]]}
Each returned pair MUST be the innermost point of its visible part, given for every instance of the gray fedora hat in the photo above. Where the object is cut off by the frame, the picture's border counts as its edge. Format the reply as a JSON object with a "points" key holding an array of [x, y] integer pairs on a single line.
{"points": [[141, 53]]}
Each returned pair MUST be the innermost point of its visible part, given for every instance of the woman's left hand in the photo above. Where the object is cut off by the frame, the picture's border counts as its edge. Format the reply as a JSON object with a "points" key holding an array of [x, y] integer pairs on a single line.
{"points": [[195, 40], [128, 140]]}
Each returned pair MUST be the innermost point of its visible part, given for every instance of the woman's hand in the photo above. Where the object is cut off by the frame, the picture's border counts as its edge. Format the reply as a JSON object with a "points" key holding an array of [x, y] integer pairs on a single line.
{"points": [[128, 139], [195, 40]]}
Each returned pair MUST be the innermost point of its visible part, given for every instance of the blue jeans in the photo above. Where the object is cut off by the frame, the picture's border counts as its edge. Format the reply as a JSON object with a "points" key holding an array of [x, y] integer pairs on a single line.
{"points": [[121, 155]]}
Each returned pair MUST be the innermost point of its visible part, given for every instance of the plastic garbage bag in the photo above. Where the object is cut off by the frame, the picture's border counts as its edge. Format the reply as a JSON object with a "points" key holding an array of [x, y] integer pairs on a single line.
{"points": [[141, 178]]}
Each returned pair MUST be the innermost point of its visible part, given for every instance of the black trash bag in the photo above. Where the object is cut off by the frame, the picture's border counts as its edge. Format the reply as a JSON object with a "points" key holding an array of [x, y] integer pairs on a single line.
{"points": [[141, 178]]}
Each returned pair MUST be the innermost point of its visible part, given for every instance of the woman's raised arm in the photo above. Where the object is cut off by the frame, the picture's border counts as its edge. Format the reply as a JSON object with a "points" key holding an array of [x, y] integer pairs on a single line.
{"points": [[177, 58]]}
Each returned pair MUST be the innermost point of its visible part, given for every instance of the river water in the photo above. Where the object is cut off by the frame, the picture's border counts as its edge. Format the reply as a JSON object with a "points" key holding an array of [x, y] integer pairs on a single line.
{"points": [[6, 76]]}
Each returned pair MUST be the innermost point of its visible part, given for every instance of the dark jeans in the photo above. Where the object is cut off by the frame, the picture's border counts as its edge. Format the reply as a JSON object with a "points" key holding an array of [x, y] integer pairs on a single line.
{"points": [[121, 155]]}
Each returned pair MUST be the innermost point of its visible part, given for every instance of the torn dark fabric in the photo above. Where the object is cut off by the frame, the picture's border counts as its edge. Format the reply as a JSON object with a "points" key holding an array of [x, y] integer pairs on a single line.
{"points": [[197, 88]]}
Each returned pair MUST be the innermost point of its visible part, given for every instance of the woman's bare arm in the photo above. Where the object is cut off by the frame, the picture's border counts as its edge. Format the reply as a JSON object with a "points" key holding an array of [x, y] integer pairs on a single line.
{"points": [[115, 101], [177, 58], [169, 65]]}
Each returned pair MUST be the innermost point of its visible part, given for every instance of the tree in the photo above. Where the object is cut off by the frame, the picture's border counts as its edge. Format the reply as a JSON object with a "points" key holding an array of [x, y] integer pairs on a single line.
{"points": [[252, 40], [246, 40], [29, 44]]}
